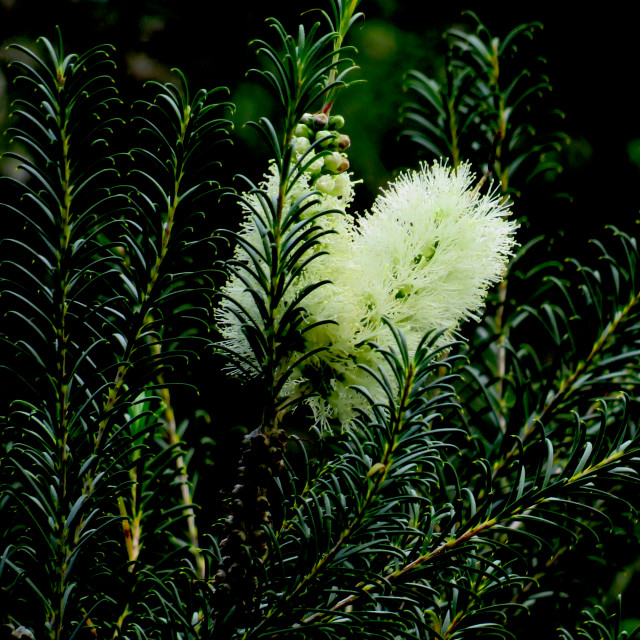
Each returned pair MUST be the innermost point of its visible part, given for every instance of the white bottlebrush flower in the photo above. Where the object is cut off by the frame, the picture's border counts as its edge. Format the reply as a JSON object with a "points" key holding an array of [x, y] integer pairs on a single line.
{"points": [[424, 258], [431, 247], [238, 301]]}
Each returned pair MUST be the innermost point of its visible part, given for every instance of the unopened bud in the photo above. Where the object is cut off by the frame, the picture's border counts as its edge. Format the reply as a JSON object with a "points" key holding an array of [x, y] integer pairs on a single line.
{"points": [[300, 145], [263, 473], [302, 130], [336, 122], [259, 538], [325, 137], [316, 166], [336, 162], [332, 161], [262, 504], [343, 141], [276, 453], [259, 440], [320, 120], [238, 535], [281, 435]]}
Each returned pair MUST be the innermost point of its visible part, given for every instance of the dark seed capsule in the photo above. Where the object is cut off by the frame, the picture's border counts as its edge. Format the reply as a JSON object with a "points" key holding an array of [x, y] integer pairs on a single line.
{"points": [[281, 435], [259, 538], [263, 473], [276, 453], [258, 441], [238, 535], [262, 504]]}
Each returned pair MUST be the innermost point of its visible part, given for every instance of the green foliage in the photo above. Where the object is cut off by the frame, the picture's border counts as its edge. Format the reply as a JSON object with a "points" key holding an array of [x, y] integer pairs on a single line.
{"points": [[478, 475], [482, 109], [597, 624], [99, 299]]}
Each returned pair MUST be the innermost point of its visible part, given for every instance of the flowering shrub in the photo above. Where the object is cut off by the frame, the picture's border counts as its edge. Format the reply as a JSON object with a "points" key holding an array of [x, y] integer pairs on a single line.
{"points": [[400, 472]]}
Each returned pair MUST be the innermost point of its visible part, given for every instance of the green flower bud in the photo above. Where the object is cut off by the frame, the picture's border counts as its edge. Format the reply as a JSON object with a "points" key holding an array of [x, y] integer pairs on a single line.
{"points": [[343, 141], [316, 166], [307, 119], [327, 137], [336, 122], [332, 161], [300, 145], [302, 130], [336, 162]]}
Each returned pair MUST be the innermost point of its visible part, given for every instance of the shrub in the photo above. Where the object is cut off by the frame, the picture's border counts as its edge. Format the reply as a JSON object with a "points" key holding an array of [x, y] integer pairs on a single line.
{"points": [[423, 456]]}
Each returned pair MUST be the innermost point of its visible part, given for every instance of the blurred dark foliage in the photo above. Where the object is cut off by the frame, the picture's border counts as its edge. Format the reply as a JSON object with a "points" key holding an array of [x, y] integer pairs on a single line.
{"points": [[590, 62]]}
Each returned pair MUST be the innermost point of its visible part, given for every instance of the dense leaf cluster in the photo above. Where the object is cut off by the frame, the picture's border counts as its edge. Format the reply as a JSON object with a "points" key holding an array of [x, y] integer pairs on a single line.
{"points": [[476, 486]]}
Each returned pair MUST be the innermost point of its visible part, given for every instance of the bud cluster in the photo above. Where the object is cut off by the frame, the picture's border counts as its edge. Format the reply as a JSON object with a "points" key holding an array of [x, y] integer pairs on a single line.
{"points": [[318, 143]]}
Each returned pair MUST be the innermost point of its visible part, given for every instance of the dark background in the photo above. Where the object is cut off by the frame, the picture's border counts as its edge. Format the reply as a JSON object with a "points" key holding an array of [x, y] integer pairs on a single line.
{"points": [[591, 65]]}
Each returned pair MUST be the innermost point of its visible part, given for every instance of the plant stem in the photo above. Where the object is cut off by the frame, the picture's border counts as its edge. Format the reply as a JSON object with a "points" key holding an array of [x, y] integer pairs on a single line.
{"points": [[373, 489], [186, 494], [343, 28], [567, 385], [63, 545]]}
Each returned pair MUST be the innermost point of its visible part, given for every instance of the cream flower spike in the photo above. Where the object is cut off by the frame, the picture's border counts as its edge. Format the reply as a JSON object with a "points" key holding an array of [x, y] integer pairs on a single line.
{"points": [[431, 247], [424, 258]]}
